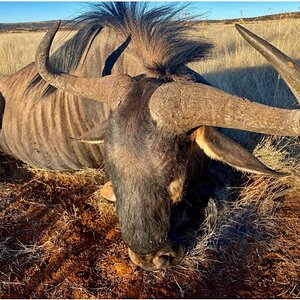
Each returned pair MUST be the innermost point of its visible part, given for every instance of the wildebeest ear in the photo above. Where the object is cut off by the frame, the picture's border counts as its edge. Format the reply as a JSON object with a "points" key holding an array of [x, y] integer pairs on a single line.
{"points": [[107, 192], [95, 135], [220, 147]]}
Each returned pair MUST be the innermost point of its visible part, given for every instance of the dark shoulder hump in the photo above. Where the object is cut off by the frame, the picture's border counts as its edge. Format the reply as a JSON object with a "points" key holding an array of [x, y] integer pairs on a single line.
{"points": [[160, 35]]}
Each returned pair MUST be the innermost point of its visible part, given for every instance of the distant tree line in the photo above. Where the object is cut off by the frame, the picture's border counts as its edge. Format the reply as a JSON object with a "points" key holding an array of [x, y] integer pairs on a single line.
{"points": [[66, 25]]}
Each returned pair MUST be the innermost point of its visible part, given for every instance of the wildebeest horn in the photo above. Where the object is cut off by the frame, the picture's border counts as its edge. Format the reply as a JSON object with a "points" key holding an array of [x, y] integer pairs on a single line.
{"points": [[181, 106], [104, 89], [284, 65]]}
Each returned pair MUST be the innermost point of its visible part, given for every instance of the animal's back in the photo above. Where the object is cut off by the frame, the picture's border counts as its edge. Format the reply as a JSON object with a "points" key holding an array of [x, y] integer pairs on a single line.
{"points": [[39, 130], [39, 121]]}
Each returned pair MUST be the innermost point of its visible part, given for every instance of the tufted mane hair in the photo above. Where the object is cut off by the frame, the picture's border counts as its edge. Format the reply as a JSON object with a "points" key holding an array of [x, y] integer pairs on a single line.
{"points": [[160, 37]]}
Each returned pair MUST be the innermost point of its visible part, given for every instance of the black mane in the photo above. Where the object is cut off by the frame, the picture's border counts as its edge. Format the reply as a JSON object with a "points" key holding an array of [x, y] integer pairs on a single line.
{"points": [[159, 38]]}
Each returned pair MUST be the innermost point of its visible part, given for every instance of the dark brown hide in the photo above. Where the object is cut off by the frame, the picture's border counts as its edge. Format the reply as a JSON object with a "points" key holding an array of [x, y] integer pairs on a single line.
{"points": [[142, 162]]}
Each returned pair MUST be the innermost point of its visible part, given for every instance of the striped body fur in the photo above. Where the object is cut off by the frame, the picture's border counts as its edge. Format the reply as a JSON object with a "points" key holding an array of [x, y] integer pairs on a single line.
{"points": [[39, 128]]}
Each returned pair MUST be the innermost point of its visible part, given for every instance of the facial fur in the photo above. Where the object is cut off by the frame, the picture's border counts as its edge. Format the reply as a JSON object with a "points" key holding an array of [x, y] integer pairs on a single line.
{"points": [[143, 163]]}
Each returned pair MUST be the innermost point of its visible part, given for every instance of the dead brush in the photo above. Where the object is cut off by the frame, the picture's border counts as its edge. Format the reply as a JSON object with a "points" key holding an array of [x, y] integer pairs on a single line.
{"points": [[68, 183], [251, 219], [242, 225], [5, 250], [86, 176], [66, 186]]}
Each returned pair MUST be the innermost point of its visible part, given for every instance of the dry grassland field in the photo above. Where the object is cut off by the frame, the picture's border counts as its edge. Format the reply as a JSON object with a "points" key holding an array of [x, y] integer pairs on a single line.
{"points": [[60, 239]]}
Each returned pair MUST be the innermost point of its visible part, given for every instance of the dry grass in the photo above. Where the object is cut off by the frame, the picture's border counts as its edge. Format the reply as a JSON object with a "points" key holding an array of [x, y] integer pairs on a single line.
{"points": [[246, 232], [232, 57], [17, 50], [262, 195], [237, 68], [255, 230]]}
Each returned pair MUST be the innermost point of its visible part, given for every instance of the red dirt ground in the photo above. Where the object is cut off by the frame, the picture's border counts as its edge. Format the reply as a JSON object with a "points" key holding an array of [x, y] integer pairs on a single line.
{"points": [[59, 239]]}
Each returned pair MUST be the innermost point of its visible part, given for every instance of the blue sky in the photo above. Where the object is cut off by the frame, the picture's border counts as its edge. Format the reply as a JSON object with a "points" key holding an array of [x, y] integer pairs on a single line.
{"points": [[11, 12]]}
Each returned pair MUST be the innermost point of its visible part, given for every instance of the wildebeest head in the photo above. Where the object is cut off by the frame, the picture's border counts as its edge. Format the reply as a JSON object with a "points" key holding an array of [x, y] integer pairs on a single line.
{"points": [[153, 129]]}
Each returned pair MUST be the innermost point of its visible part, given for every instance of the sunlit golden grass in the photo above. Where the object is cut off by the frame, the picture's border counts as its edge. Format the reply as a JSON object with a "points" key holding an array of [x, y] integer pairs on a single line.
{"points": [[236, 67], [18, 49], [233, 52], [232, 66]]}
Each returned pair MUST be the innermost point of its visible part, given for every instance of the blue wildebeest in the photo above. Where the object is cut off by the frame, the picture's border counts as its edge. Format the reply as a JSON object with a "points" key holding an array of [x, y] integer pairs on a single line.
{"points": [[119, 91]]}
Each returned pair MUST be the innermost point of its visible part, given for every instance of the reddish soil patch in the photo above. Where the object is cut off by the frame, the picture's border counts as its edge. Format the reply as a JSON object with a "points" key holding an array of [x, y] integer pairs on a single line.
{"points": [[59, 239]]}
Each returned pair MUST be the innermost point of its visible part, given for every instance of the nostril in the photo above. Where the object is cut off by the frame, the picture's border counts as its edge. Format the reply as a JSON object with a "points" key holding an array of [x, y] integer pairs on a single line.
{"points": [[162, 261]]}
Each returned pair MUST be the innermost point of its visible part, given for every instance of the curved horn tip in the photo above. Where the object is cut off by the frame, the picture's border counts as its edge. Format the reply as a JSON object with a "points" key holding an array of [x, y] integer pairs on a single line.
{"points": [[43, 51], [237, 26], [54, 28], [49, 36], [240, 28], [285, 66], [56, 24]]}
